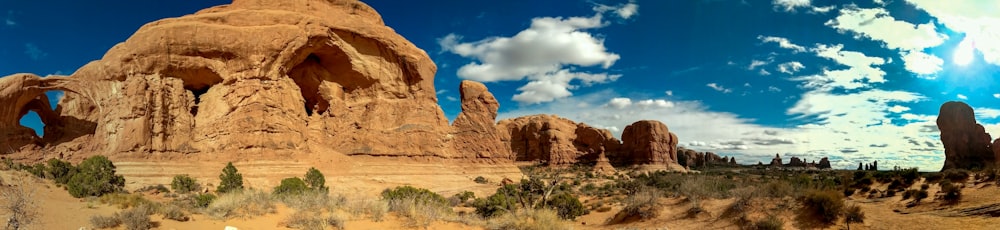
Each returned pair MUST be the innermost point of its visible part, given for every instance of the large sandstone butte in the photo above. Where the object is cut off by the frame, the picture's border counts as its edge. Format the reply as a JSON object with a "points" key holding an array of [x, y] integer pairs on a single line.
{"points": [[296, 76], [966, 143], [560, 141]]}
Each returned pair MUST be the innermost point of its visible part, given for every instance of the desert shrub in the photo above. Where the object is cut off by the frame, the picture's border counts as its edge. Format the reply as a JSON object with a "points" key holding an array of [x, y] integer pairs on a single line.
{"points": [[136, 218], [853, 214], [421, 205], [241, 204], [315, 179], [771, 222], [18, 205], [822, 206], [174, 212], [203, 200], [567, 206], [124, 200], [184, 184], [409, 192], [528, 219], [95, 178], [481, 180], [743, 203], [952, 193], [103, 222], [501, 202], [848, 191], [956, 175], [60, 171], [306, 220], [777, 189], [917, 195], [933, 177], [909, 175], [375, 209], [231, 179], [925, 186], [642, 204], [291, 186], [461, 198], [311, 200]]}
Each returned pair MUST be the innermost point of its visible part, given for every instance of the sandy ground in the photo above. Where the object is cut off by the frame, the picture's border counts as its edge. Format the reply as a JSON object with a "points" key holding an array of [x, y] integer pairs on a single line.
{"points": [[58, 210]]}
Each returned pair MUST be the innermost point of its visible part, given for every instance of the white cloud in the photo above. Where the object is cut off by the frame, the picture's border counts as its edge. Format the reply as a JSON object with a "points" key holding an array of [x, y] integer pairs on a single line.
{"points": [[880, 2], [9, 21], [861, 71], [34, 52], [987, 113], [763, 72], [961, 96], [773, 89], [996, 95], [921, 63], [790, 67], [627, 10], [671, 93], [822, 10], [782, 42], [451, 98], [439, 92], [619, 102], [977, 19], [757, 63], [719, 88], [899, 109], [790, 5], [545, 54]]}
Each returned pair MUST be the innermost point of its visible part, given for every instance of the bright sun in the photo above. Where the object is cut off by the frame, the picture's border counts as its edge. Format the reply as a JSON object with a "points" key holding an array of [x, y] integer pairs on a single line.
{"points": [[963, 54]]}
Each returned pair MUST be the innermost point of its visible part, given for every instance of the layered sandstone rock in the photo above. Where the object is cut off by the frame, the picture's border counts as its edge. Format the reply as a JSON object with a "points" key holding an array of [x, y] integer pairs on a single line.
{"points": [[966, 143], [20, 93], [648, 142], [475, 128], [556, 140], [298, 76]]}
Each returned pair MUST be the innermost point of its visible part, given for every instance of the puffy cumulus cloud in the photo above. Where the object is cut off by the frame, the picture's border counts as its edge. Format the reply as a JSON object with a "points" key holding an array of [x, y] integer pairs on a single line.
{"points": [[719, 88], [977, 19], [545, 54], [961, 97], [782, 42], [790, 67], [855, 122], [876, 24], [921, 63], [987, 113], [861, 71], [898, 109], [757, 63]]}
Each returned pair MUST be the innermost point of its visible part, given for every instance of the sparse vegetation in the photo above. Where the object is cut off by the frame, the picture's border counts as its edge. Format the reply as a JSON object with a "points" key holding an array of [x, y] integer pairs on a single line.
{"points": [[771, 222], [853, 214], [231, 179], [421, 206], [241, 204], [950, 192], [19, 206], [290, 186], [481, 180], [105, 222], [822, 206], [184, 184], [316, 181], [95, 178]]}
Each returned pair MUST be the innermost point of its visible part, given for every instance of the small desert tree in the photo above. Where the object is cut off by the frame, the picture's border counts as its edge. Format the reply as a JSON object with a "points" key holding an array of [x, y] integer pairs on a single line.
{"points": [[95, 178], [231, 179], [316, 180]]}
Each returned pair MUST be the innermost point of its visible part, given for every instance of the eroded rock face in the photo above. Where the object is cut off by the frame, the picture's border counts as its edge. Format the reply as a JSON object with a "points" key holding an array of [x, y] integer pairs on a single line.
{"points": [[475, 128], [966, 143], [315, 76], [21, 93], [648, 142], [556, 140]]}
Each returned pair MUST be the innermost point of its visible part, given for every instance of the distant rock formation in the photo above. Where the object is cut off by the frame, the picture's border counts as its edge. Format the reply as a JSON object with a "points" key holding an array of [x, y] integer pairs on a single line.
{"points": [[966, 143], [796, 162], [824, 163], [776, 161], [556, 140], [694, 159], [648, 142]]}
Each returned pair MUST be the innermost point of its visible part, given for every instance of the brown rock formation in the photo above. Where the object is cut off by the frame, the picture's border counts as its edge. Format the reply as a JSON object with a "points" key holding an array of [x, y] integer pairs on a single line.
{"points": [[796, 162], [966, 143], [475, 128], [776, 161], [296, 76], [556, 140], [603, 165], [648, 142], [824, 163]]}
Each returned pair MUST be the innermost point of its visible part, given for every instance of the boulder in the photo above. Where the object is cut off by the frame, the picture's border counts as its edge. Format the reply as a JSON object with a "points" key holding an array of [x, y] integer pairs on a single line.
{"points": [[966, 143]]}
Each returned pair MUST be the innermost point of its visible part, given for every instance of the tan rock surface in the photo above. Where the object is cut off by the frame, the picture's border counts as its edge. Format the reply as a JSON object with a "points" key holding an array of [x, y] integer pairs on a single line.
{"points": [[648, 142], [556, 140], [475, 127]]}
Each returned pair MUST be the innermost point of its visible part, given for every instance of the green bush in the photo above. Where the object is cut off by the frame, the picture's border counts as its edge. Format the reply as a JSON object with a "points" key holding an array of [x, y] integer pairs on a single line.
{"points": [[567, 206], [409, 192], [316, 180], [463, 197], [203, 200], [95, 178], [231, 179], [481, 180], [184, 184], [823, 206], [291, 186], [933, 177], [853, 214], [770, 223], [60, 171], [501, 202], [956, 175], [952, 193]]}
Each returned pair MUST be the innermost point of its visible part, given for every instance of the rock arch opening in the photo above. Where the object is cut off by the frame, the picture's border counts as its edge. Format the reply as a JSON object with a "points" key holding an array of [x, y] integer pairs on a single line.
{"points": [[42, 117], [32, 121], [198, 81], [325, 74]]}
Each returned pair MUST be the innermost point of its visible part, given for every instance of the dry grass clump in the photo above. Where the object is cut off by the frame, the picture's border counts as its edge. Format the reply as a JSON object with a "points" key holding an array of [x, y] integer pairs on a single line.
{"points": [[313, 220], [125, 200], [528, 219], [136, 218], [640, 206], [241, 204], [771, 222], [104, 222], [19, 205], [373, 208], [174, 212], [821, 207], [313, 200]]}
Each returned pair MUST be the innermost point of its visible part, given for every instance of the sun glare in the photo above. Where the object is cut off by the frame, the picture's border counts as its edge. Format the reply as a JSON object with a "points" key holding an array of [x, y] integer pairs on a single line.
{"points": [[963, 54]]}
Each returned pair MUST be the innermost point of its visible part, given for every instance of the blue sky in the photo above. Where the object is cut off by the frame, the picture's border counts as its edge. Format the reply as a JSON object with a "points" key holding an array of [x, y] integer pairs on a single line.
{"points": [[860, 81]]}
